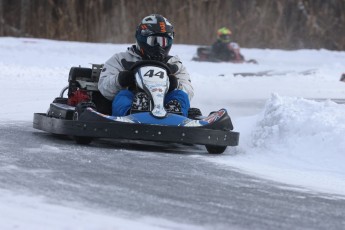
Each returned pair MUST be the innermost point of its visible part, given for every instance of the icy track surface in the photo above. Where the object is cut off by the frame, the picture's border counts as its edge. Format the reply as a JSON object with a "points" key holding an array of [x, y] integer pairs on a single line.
{"points": [[286, 135]]}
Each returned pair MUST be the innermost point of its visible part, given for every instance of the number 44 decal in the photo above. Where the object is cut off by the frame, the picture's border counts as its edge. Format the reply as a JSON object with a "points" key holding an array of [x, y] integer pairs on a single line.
{"points": [[151, 73]]}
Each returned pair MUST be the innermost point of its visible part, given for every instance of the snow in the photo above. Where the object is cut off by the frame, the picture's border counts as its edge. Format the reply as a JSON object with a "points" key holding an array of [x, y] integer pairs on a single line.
{"points": [[34, 213], [295, 141], [285, 135]]}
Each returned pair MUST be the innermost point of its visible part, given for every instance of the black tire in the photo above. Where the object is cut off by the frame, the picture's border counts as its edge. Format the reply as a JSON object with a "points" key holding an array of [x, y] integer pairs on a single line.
{"points": [[61, 136], [215, 149], [342, 77], [83, 140]]}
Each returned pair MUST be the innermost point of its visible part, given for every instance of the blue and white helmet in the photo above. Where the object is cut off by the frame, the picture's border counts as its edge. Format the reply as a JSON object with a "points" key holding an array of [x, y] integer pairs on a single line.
{"points": [[154, 35]]}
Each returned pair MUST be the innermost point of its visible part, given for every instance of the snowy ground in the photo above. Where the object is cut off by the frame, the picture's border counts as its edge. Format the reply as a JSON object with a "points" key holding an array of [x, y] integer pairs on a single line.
{"points": [[285, 136]]}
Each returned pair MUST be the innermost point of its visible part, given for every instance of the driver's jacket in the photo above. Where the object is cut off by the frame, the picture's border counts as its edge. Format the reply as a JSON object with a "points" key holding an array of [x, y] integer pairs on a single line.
{"points": [[108, 83]]}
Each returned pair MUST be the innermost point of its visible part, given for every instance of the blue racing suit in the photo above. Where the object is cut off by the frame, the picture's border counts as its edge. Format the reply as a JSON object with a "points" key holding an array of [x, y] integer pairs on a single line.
{"points": [[123, 101]]}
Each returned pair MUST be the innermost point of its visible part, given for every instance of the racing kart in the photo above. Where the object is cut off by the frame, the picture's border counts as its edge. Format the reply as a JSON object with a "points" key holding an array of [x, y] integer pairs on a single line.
{"points": [[86, 115], [204, 53]]}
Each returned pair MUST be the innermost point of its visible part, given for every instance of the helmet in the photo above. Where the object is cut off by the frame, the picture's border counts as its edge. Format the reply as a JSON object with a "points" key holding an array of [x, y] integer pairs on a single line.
{"points": [[224, 34], [154, 37]]}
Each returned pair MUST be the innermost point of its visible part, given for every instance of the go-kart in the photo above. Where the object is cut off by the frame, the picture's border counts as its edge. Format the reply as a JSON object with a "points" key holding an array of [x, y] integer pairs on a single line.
{"points": [[86, 115], [205, 54]]}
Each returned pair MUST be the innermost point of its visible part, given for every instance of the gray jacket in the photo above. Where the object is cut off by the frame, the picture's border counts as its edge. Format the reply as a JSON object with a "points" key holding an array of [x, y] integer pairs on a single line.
{"points": [[108, 83]]}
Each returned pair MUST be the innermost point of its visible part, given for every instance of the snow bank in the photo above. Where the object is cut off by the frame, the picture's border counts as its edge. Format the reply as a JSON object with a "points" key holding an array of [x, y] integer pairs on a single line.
{"points": [[301, 126], [295, 141]]}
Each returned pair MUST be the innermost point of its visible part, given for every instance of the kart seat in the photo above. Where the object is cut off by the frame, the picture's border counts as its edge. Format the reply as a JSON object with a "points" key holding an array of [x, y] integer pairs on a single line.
{"points": [[87, 78]]}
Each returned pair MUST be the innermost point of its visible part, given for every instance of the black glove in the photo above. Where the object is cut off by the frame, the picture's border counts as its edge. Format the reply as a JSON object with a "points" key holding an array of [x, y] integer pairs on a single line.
{"points": [[173, 68], [173, 82], [126, 78]]}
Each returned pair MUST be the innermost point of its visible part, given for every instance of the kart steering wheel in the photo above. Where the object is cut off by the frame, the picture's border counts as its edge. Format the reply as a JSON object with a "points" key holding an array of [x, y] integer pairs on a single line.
{"points": [[139, 64]]}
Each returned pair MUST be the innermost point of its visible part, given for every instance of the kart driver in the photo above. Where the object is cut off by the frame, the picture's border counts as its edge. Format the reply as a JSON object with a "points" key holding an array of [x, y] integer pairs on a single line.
{"points": [[225, 50], [154, 38]]}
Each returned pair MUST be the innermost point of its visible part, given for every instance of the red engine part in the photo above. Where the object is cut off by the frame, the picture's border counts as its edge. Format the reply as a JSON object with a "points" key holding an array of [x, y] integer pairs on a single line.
{"points": [[77, 97]]}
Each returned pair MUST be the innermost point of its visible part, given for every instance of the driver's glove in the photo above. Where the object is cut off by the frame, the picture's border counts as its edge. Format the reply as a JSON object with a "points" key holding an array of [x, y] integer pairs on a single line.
{"points": [[173, 82], [173, 68], [172, 78], [126, 78]]}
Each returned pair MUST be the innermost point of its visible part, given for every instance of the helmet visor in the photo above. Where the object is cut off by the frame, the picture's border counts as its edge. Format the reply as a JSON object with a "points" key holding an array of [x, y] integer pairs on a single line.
{"points": [[162, 41], [225, 37]]}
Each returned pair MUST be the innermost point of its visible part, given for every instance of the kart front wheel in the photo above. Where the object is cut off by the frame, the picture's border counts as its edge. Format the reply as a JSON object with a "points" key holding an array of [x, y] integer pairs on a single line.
{"points": [[83, 140], [215, 149]]}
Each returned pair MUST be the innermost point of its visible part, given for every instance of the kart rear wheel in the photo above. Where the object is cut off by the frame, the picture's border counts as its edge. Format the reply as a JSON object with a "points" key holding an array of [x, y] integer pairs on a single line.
{"points": [[83, 140], [215, 149]]}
